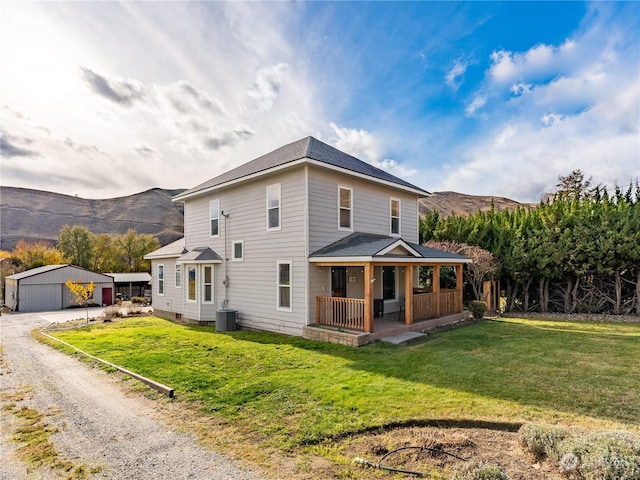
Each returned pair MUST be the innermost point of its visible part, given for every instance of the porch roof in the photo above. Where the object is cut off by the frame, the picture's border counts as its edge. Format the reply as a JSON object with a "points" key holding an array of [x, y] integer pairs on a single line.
{"points": [[200, 255], [368, 247]]}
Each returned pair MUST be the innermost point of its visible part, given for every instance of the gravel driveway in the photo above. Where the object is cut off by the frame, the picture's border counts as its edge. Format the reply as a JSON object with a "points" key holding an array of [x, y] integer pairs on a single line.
{"points": [[98, 425]]}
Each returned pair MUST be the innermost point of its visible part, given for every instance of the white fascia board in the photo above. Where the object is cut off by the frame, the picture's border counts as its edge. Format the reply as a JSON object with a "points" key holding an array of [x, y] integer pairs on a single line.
{"points": [[399, 243], [385, 259], [165, 255], [301, 161]]}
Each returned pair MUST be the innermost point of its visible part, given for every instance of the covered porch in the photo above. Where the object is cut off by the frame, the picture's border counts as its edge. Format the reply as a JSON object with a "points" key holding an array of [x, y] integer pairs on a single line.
{"points": [[393, 286]]}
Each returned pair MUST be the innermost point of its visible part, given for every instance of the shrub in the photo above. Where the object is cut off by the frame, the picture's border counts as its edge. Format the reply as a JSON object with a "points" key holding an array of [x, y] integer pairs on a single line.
{"points": [[479, 471], [586, 455], [112, 312], [139, 300], [477, 308]]}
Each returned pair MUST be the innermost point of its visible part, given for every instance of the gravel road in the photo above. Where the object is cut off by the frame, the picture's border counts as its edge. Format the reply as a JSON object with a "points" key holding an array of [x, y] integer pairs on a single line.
{"points": [[100, 427]]}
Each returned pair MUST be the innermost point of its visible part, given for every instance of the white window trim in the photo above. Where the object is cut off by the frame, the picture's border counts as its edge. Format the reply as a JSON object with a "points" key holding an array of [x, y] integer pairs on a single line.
{"points": [[211, 202], [161, 280], [279, 189], [195, 269], [233, 251], [278, 307], [391, 217], [178, 277], [205, 284], [350, 228]]}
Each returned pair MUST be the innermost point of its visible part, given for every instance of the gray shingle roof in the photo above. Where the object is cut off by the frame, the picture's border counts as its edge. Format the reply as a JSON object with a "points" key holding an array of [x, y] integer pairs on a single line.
{"points": [[310, 148], [200, 255], [371, 245]]}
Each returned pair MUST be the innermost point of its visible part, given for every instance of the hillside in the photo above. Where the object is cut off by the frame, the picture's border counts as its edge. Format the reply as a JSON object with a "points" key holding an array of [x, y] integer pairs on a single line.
{"points": [[447, 203], [38, 215], [31, 215]]}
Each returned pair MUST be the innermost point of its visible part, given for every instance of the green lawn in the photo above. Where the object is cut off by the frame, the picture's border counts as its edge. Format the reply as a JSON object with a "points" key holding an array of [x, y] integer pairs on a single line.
{"points": [[295, 391]]}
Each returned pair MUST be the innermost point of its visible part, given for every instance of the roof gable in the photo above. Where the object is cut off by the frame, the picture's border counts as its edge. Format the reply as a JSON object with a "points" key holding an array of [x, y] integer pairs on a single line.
{"points": [[308, 148], [379, 247]]}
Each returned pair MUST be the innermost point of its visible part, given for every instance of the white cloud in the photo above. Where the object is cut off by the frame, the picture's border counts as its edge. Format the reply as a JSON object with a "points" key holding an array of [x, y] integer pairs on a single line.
{"points": [[478, 101], [455, 76], [265, 89]]}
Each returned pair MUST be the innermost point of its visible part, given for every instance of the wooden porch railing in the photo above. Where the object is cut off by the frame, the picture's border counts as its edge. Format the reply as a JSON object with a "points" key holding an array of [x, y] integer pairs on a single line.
{"points": [[340, 312], [424, 304]]}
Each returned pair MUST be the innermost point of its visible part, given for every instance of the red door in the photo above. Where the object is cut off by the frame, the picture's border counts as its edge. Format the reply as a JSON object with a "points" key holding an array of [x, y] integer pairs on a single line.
{"points": [[107, 296]]}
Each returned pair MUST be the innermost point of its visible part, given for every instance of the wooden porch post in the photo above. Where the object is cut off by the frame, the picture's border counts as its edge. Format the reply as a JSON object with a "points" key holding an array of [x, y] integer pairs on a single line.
{"points": [[368, 297], [459, 286], [436, 288], [408, 294]]}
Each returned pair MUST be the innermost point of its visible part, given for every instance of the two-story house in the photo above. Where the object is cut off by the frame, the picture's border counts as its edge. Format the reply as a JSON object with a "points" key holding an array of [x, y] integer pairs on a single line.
{"points": [[301, 237]]}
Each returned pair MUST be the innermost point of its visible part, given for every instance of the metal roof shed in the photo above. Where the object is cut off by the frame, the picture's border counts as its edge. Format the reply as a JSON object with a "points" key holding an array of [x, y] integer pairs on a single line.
{"points": [[43, 288]]}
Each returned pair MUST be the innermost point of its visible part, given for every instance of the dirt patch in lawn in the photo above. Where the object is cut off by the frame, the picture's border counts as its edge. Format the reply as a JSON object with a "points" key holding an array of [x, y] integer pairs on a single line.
{"points": [[443, 450]]}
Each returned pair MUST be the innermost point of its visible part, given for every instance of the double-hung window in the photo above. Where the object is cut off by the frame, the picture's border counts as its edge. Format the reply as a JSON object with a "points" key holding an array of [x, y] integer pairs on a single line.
{"points": [[284, 286], [207, 284], [345, 208], [214, 217], [191, 283], [178, 275], [273, 207], [395, 216], [160, 279]]}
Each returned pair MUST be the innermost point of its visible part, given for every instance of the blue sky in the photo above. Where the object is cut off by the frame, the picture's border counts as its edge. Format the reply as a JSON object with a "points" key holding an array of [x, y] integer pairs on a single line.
{"points": [[103, 99]]}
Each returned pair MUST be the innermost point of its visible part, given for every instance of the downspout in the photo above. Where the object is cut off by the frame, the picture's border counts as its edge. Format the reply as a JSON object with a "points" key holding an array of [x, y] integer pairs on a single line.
{"points": [[225, 280]]}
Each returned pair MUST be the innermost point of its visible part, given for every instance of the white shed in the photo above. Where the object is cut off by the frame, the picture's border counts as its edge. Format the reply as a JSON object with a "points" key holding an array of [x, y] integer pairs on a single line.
{"points": [[43, 288]]}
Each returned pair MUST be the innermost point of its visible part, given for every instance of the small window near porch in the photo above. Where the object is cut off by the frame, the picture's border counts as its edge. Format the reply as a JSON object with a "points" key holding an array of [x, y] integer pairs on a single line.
{"points": [[238, 251], [284, 286], [178, 275], [160, 279]]}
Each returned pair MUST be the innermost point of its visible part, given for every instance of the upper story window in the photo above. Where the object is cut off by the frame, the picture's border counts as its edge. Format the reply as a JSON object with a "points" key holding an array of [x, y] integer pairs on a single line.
{"points": [[395, 216], [237, 250], [160, 279], [178, 275], [273, 207], [214, 217], [345, 210]]}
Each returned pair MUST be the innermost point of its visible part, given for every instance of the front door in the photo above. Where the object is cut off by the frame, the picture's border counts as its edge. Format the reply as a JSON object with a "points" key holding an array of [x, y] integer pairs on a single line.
{"points": [[339, 282]]}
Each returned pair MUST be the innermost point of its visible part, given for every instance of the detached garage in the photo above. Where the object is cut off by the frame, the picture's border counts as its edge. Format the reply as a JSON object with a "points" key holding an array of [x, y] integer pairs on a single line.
{"points": [[41, 289]]}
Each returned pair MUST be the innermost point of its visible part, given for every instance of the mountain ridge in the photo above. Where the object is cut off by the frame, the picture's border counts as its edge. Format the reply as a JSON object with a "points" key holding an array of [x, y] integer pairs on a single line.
{"points": [[30, 215]]}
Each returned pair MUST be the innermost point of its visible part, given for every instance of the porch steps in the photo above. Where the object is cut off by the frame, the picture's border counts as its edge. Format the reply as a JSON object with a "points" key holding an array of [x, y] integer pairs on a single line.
{"points": [[403, 338]]}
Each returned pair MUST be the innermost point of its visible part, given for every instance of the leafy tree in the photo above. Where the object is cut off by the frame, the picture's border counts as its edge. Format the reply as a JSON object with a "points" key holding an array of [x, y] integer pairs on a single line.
{"points": [[76, 244], [81, 292], [107, 255], [574, 185], [134, 246], [36, 254]]}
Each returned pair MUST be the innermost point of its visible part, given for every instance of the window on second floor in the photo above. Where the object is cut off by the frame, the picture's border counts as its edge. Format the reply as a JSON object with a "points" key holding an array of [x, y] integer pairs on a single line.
{"points": [[273, 207], [395, 216], [345, 210], [214, 217]]}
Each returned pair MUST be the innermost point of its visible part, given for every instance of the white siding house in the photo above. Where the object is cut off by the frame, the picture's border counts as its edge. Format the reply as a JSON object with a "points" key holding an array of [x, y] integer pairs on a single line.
{"points": [[43, 288], [297, 238]]}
